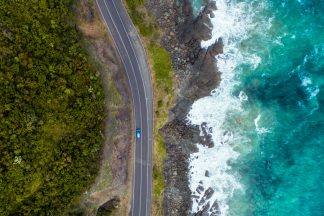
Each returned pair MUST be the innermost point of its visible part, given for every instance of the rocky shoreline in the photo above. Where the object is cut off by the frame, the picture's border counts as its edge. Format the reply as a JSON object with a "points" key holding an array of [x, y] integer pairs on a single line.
{"points": [[196, 75]]}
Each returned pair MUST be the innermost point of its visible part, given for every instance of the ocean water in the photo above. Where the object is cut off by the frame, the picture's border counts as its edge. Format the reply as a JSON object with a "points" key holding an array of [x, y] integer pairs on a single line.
{"points": [[267, 115], [197, 5]]}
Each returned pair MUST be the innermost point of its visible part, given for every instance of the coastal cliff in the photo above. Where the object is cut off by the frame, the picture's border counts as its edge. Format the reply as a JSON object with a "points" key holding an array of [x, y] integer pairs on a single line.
{"points": [[196, 75]]}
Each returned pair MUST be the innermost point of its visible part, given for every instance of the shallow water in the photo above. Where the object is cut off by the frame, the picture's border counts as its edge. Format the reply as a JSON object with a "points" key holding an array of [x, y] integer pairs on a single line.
{"points": [[267, 114]]}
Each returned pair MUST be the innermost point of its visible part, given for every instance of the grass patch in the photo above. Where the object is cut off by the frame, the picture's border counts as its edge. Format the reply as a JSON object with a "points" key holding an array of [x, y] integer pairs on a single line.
{"points": [[162, 68], [160, 63], [157, 168], [139, 17]]}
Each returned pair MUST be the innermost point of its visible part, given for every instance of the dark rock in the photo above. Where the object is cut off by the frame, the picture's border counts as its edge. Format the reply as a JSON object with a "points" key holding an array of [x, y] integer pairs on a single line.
{"points": [[206, 77], [197, 74], [198, 28], [178, 132], [194, 196], [200, 189], [207, 136], [215, 209], [208, 193], [110, 204], [207, 173], [177, 190], [204, 211]]}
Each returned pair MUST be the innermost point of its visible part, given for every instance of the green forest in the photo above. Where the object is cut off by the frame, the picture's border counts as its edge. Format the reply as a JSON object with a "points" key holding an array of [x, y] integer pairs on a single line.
{"points": [[51, 109]]}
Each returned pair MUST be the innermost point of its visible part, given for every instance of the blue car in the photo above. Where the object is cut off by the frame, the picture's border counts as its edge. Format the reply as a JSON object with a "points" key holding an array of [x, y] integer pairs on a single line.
{"points": [[138, 133]]}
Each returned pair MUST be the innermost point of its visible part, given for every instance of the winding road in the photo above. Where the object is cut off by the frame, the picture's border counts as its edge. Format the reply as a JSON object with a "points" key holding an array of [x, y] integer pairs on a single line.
{"points": [[133, 57]]}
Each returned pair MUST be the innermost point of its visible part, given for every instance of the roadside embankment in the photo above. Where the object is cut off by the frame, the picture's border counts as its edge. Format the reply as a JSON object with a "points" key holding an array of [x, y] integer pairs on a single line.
{"points": [[112, 187]]}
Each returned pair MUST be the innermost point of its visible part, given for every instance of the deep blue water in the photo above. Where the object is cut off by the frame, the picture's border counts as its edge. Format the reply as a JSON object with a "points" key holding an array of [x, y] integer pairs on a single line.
{"points": [[283, 171]]}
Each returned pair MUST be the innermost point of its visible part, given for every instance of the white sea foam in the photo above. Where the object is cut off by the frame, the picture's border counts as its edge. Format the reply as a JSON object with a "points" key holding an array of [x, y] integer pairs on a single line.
{"points": [[312, 90], [232, 23], [306, 81], [260, 130], [316, 58], [243, 96], [310, 87]]}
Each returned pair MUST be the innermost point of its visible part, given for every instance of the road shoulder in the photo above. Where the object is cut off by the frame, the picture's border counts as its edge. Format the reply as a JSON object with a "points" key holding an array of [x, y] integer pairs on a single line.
{"points": [[163, 89], [113, 183]]}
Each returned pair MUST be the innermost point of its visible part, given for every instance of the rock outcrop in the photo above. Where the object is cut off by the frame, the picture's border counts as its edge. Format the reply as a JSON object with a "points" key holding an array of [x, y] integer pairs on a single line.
{"points": [[196, 75]]}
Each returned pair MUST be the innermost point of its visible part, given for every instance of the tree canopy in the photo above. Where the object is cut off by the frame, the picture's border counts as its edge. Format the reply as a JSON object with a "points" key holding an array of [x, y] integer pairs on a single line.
{"points": [[51, 109]]}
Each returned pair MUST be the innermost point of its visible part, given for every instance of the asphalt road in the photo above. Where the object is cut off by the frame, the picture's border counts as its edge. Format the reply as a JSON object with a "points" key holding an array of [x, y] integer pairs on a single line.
{"points": [[133, 57]]}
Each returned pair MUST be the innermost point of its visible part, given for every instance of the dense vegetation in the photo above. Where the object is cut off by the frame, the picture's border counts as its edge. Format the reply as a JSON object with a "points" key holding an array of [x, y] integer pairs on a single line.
{"points": [[51, 109]]}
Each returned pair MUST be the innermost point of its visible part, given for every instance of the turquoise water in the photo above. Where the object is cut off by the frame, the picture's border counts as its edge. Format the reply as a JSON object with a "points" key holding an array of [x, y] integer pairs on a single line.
{"points": [[280, 166], [197, 6]]}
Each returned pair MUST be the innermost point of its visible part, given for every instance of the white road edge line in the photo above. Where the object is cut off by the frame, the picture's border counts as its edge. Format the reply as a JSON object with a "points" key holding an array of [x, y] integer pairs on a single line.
{"points": [[130, 87], [152, 102], [141, 168], [139, 66]]}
